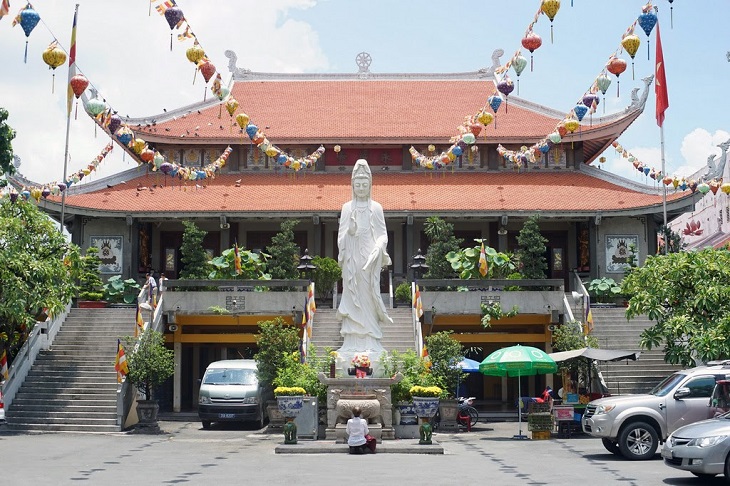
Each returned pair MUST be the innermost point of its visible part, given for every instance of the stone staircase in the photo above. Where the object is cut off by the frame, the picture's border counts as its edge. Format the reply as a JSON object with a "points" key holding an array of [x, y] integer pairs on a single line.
{"points": [[73, 386], [614, 331], [399, 336]]}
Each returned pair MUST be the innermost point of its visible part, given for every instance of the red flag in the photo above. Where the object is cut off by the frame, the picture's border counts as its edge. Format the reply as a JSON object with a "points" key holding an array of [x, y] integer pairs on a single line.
{"points": [[660, 83], [71, 65]]}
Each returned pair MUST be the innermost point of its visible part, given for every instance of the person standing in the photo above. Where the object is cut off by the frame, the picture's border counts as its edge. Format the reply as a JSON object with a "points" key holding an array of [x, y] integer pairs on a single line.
{"points": [[362, 241], [162, 284], [151, 286]]}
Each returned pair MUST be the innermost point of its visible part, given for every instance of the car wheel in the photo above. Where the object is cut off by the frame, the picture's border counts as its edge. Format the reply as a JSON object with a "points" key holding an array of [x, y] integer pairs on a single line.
{"points": [[260, 421], [638, 441], [727, 468], [611, 446], [703, 475], [206, 424]]}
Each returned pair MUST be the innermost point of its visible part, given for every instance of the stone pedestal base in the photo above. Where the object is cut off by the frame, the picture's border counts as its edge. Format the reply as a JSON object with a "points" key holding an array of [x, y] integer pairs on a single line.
{"points": [[371, 394]]}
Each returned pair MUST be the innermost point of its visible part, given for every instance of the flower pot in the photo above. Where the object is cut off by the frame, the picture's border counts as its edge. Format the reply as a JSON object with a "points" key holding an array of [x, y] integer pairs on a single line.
{"points": [[91, 304], [426, 407], [359, 372], [290, 406]]}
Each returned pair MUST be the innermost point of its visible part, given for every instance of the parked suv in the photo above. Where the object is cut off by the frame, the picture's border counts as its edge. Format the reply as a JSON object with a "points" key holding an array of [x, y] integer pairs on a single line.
{"points": [[634, 425]]}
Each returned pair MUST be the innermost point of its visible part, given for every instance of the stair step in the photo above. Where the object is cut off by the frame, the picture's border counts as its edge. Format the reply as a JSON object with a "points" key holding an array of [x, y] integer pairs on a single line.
{"points": [[43, 427], [56, 404]]}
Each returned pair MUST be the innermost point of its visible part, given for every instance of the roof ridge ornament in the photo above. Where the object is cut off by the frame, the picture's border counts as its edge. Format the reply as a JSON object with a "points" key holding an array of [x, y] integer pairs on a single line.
{"points": [[232, 68], [363, 61], [637, 102]]}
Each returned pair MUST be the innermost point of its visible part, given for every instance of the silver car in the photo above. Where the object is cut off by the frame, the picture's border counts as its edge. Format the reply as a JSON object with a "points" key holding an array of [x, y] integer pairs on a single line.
{"points": [[702, 448]]}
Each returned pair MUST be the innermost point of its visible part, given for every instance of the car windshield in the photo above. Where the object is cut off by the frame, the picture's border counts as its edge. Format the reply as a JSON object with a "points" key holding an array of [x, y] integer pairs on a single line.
{"points": [[667, 385], [227, 376]]}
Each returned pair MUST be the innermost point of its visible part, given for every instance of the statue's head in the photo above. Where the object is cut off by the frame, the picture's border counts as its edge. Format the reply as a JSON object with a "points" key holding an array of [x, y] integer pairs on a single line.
{"points": [[361, 180]]}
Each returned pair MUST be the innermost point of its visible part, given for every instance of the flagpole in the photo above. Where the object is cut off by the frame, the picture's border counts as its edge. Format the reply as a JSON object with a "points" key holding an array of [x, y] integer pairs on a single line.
{"points": [[664, 190], [71, 70]]}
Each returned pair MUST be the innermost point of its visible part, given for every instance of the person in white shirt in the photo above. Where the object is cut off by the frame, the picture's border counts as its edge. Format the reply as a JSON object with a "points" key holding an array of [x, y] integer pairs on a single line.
{"points": [[357, 429], [162, 284], [151, 287]]}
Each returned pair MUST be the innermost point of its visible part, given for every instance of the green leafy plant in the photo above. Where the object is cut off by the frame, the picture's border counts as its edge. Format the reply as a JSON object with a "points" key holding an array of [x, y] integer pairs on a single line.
{"points": [[570, 336], [193, 256], [151, 363], [444, 353], [218, 310], [604, 289], [253, 265], [90, 284], [493, 310], [326, 275], [403, 292], [531, 254], [442, 242], [284, 252], [295, 374], [277, 340], [413, 368], [465, 262], [117, 290]]}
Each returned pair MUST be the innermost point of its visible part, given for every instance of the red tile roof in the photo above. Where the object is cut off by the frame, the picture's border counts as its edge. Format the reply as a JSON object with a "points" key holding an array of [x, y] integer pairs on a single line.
{"points": [[364, 111], [419, 192]]}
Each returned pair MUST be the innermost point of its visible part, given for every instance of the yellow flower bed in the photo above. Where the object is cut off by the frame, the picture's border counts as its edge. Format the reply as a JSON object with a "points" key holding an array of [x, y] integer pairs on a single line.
{"points": [[288, 391], [425, 391]]}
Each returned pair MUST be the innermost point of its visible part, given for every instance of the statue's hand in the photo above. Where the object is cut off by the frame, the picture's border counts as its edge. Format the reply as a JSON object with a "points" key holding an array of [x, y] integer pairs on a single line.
{"points": [[352, 229], [372, 258]]}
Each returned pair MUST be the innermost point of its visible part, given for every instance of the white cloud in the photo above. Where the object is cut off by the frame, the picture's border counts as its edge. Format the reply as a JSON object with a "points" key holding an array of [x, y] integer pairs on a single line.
{"points": [[697, 146]]}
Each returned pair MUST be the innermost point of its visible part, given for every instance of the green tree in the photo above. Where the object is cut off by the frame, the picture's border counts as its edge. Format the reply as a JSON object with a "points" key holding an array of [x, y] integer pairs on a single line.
{"points": [[442, 242], [38, 270], [7, 134], [276, 341], [252, 265], [687, 294], [568, 337], [532, 250], [193, 256], [326, 275], [674, 238], [90, 284], [284, 252], [151, 363], [465, 262], [445, 352]]}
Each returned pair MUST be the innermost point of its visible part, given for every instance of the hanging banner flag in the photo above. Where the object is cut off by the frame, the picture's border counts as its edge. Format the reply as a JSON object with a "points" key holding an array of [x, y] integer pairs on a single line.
{"points": [[71, 65], [120, 364], [660, 83], [482, 262], [4, 366]]}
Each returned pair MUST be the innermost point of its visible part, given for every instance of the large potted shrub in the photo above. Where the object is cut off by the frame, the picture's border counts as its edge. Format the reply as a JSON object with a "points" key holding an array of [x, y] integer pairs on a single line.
{"points": [[414, 371], [326, 274], [90, 284], [445, 352], [150, 364]]}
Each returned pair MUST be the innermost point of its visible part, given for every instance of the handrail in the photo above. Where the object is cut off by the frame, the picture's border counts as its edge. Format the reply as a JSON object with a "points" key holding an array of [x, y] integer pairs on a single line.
{"points": [[40, 338], [554, 283], [182, 284]]}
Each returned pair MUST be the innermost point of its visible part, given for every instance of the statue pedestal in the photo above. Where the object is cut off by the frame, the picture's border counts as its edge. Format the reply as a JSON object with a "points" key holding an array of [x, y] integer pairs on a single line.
{"points": [[372, 395]]}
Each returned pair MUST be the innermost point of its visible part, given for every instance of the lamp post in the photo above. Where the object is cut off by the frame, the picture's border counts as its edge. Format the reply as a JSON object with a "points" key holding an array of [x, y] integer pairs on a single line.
{"points": [[305, 266], [419, 266]]}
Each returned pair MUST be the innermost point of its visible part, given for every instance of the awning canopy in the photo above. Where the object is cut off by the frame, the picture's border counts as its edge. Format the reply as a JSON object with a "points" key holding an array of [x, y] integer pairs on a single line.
{"points": [[596, 354]]}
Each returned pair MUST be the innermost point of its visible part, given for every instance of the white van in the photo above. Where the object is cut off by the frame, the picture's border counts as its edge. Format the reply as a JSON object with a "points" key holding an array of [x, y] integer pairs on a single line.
{"points": [[230, 391]]}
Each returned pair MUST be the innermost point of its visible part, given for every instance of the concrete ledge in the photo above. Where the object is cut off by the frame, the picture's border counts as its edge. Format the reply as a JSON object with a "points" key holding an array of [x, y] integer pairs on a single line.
{"points": [[407, 446]]}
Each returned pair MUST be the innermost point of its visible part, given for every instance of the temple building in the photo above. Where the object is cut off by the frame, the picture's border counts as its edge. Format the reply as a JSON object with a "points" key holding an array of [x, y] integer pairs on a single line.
{"points": [[405, 126]]}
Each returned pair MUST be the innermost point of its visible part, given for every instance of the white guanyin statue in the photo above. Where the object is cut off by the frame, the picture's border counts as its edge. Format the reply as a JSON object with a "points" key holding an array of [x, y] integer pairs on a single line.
{"points": [[362, 240]]}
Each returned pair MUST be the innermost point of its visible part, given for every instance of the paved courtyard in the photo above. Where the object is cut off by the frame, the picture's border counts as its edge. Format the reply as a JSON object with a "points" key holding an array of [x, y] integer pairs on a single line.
{"points": [[232, 454]]}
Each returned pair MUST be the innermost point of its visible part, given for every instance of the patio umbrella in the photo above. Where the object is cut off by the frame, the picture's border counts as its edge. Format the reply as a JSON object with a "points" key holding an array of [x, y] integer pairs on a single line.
{"points": [[518, 361], [468, 365]]}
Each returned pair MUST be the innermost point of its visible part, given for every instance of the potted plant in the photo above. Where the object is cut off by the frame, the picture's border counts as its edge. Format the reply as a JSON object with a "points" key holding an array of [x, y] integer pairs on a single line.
{"points": [[403, 293], [120, 291], [150, 365], [604, 290], [326, 274], [445, 352], [90, 284], [426, 402], [360, 366]]}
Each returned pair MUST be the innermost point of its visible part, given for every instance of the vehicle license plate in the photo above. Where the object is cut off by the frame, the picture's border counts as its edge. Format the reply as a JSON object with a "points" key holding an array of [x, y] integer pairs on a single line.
{"points": [[226, 415], [667, 454]]}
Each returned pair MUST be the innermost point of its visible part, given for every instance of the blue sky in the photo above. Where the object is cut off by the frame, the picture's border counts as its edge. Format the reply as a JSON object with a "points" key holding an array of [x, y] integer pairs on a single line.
{"points": [[126, 55]]}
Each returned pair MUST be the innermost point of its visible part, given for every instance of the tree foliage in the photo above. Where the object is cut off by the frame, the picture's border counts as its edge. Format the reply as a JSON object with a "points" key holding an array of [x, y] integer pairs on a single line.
{"points": [[465, 262], [90, 284], [151, 363], [276, 341], [284, 252], [38, 270], [193, 256], [687, 294], [7, 134], [445, 352], [326, 275], [674, 238], [442, 242], [532, 250], [568, 337], [253, 265]]}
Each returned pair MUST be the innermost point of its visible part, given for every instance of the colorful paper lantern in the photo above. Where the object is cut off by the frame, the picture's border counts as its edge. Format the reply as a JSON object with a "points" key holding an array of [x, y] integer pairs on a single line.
{"points": [[616, 66], [174, 16], [54, 56], [505, 86], [647, 20], [531, 42], [631, 44], [29, 18], [519, 62], [550, 8], [207, 69]]}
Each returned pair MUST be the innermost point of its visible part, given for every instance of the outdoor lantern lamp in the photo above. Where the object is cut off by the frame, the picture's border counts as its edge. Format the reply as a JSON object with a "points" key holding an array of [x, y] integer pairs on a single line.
{"points": [[419, 266], [305, 266]]}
